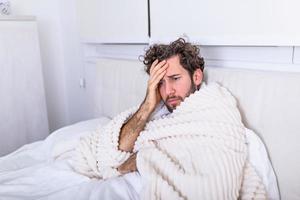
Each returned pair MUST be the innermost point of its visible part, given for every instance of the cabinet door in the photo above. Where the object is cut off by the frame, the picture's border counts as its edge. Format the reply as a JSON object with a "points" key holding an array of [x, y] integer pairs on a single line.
{"points": [[230, 22], [113, 21], [23, 115]]}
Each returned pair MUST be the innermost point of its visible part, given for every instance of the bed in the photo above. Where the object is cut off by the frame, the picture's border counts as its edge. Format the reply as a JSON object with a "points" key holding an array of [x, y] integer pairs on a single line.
{"points": [[268, 102]]}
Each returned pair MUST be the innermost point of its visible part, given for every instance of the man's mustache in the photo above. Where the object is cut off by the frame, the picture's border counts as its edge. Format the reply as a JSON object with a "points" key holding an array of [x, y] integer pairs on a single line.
{"points": [[174, 98]]}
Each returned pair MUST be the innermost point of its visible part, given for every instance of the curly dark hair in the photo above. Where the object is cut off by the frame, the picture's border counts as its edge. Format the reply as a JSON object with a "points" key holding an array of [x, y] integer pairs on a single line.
{"points": [[189, 55]]}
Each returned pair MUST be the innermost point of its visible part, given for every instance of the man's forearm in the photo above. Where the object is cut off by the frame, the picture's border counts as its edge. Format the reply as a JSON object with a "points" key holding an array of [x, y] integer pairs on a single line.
{"points": [[131, 130]]}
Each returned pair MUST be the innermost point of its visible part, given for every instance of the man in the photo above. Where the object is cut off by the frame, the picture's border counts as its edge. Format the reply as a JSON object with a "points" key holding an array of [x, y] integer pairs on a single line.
{"points": [[173, 77], [175, 72]]}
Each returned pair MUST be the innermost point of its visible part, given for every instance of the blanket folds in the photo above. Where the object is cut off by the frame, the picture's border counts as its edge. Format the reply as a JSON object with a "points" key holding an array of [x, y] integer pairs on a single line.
{"points": [[197, 152]]}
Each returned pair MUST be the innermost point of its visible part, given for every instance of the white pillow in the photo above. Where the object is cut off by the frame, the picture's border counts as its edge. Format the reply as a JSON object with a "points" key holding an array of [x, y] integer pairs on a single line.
{"points": [[259, 158]]}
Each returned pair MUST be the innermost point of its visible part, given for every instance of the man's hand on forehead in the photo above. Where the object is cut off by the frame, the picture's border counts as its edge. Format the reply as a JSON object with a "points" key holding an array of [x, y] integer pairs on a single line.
{"points": [[157, 72], [157, 64], [131, 130], [158, 67]]}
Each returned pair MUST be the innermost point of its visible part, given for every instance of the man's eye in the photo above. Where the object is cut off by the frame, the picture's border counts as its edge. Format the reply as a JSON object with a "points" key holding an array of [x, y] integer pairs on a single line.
{"points": [[176, 78]]}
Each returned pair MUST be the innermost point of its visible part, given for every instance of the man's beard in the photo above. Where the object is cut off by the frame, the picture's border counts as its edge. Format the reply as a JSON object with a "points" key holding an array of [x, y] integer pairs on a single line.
{"points": [[171, 108]]}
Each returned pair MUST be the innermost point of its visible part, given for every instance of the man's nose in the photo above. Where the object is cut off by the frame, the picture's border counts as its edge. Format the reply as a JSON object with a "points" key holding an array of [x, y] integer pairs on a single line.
{"points": [[169, 89]]}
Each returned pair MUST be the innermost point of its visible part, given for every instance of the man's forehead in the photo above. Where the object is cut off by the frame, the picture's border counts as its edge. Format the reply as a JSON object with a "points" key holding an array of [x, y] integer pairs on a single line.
{"points": [[174, 68], [174, 60]]}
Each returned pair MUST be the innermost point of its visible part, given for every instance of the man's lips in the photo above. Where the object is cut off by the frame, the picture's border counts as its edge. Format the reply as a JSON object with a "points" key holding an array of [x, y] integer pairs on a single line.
{"points": [[173, 100]]}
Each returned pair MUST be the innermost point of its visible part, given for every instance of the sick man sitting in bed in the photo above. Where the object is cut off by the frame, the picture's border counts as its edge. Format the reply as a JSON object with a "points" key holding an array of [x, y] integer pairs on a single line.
{"points": [[186, 139]]}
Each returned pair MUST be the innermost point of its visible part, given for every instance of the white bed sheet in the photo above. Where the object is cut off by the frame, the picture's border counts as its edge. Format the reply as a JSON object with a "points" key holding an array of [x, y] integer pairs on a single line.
{"points": [[41, 171]]}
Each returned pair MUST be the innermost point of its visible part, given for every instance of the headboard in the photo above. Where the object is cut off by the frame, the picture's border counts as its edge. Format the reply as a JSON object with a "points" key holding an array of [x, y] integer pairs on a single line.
{"points": [[268, 101]]}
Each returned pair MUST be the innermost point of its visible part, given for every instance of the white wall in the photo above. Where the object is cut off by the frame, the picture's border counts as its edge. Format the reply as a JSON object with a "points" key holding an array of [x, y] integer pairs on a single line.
{"points": [[77, 99], [61, 56], [65, 60]]}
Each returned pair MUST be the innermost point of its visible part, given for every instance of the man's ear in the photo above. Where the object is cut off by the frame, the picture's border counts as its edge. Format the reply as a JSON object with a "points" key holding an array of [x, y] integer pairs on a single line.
{"points": [[197, 77]]}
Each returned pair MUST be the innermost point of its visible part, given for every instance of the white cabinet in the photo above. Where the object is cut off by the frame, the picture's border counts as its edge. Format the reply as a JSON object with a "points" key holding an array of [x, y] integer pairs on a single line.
{"points": [[214, 22], [230, 22], [114, 21], [23, 115]]}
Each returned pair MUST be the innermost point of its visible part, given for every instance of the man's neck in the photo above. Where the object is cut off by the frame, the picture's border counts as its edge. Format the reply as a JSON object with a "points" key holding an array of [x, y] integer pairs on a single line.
{"points": [[160, 110]]}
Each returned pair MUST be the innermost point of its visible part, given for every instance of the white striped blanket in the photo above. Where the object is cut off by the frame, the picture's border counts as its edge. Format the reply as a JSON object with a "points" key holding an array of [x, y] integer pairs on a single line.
{"points": [[197, 152]]}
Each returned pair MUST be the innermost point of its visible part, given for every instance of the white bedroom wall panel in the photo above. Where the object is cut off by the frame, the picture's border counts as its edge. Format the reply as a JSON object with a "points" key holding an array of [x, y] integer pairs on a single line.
{"points": [[231, 22], [51, 37], [296, 57], [259, 58], [73, 61], [127, 95], [114, 21], [248, 54], [23, 115]]}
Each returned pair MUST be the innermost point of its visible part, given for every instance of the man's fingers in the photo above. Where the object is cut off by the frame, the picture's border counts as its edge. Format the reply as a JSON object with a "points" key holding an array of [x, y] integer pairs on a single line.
{"points": [[157, 66], [158, 73], [153, 65], [155, 80], [163, 68], [159, 77]]}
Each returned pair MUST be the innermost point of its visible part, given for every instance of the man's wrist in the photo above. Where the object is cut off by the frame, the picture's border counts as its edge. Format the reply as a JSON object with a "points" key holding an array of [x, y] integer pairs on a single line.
{"points": [[128, 166], [146, 111], [148, 107]]}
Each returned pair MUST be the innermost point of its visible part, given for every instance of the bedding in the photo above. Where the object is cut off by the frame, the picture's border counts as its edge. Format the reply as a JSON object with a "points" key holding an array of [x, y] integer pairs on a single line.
{"points": [[190, 145], [41, 171]]}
